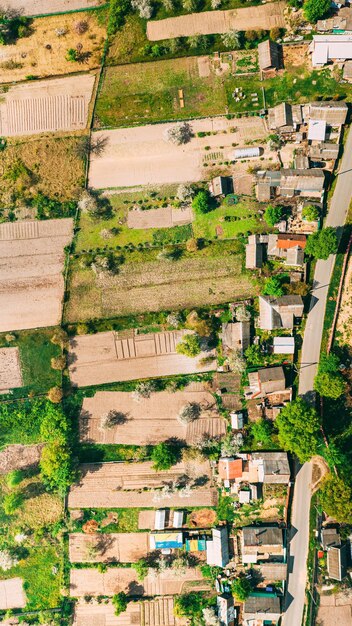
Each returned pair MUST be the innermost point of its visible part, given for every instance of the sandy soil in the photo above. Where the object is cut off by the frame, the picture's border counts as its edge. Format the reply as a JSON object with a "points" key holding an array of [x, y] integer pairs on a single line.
{"points": [[32, 56], [91, 582], [10, 369], [159, 218], [41, 7], [49, 105], [103, 358], [335, 609], [150, 421], [12, 595], [143, 155], [108, 547], [31, 264], [295, 56], [157, 612], [210, 22], [18, 456], [344, 320]]}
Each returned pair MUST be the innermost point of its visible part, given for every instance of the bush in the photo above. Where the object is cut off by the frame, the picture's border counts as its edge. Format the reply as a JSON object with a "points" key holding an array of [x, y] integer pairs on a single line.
{"points": [[190, 346], [202, 202], [336, 498], [164, 456], [14, 478], [273, 287], [315, 10], [323, 243], [72, 54], [58, 363], [189, 413], [55, 466], [310, 213], [12, 502], [329, 385], [55, 395], [273, 214], [298, 424], [262, 432], [142, 569], [120, 602], [241, 588], [225, 510]]}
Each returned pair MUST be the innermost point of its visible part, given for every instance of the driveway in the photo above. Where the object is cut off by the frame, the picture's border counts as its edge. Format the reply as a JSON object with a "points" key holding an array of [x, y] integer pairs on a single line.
{"points": [[309, 362]]}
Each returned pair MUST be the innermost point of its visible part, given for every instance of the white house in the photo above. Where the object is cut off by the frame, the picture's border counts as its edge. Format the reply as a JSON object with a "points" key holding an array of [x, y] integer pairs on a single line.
{"points": [[328, 48]]}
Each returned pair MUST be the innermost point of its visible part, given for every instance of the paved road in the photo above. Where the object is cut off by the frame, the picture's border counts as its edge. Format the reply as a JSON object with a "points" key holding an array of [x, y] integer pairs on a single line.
{"points": [[310, 357]]}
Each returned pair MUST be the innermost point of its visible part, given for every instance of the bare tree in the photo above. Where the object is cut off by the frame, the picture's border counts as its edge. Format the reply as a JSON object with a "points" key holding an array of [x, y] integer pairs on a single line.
{"points": [[180, 133], [111, 419], [242, 314], [143, 389], [143, 7], [81, 27], [189, 413], [231, 40], [7, 560], [185, 193]]}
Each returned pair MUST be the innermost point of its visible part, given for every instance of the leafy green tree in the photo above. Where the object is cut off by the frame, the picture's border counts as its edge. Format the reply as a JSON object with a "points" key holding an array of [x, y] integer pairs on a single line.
{"points": [[254, 355], [56, 467], [299, 429], [189, 605], [273, 214], [241, 588], [336, 498], [329, 363], [14, 478], [329, 385], [262, 431], [164, 456], [190, 346], [72, 54], [12, 502], [310, 213], [315, 10], [201, 203], [141, 568], [323, 243], [273, 287], [120, 602], [225, 510]]}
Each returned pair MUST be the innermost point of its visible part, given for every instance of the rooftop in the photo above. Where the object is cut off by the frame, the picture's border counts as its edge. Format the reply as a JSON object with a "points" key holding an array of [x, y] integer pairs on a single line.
{"points": [[262, 535]]}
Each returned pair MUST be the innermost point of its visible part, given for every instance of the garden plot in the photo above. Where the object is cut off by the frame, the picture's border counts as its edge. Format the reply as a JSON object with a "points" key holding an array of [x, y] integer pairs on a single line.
{"points": [[344, 320], [108, 547], [12, 595], [138, 485], [104, 358], [150, 421], [155, 612], [144, 156], [43, 7], [18, 456], [159, 218], [88, 581], [260, 17], [46, 106], [31, 265], [10, 369]]}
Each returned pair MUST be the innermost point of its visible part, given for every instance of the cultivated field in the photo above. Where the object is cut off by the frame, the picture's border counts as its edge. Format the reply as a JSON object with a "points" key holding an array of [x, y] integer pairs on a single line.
{"points": [[104, 358], [344, 320], [46, 106], [170, 582], [149, 422], [260, 17], [335, 609], [31, 264], [12, 595], [31, 56], [167, 217], [138, 485], [10, 369], [108, 547], [143, 156], [42, 7], [156, 612], [148, 283]]}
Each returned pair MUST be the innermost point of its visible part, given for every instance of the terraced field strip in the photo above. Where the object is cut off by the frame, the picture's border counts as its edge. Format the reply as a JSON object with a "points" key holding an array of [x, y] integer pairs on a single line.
{"points": [[44, 7]]}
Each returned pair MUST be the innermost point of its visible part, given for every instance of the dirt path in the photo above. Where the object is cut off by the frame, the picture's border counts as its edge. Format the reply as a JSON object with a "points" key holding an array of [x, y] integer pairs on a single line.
{"points": [[42, 7]]}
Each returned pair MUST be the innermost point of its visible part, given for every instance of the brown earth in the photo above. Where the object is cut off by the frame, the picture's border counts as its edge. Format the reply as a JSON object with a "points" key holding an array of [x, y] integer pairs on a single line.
{"points": [[10, 369], [16, 457], [12, 595], [108, 547], [159, 218], [156, 612], [202, 518], [335, 609], [41, 7]]}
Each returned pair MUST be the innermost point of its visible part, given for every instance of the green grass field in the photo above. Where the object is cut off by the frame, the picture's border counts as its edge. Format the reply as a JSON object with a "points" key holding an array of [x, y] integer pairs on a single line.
{"points": [[245, 218]]}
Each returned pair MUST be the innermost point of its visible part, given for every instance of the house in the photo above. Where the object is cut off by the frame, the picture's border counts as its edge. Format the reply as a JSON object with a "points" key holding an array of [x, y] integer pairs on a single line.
{"points": [[301, 161], [272, 571], [237, 420], [285, 117], [262, 608], [254, 253], [329, 537], [226, 610], [262, 543], [331, 112], [324, 151], [316, 130], [221, 186], [271, 379], [330, 48], [337, 562], [341, 21], [284, 345], [256, 468], [273, 467], [230, 469], [217, 548], [290, 183], [269, 55], [287, 246], [236, 336], [279, 312]]}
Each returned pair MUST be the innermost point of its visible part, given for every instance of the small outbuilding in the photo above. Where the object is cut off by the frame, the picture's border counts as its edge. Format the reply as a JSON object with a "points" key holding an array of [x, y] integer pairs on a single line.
{"points": [[269, 55], [284, 345], [218, 548]]}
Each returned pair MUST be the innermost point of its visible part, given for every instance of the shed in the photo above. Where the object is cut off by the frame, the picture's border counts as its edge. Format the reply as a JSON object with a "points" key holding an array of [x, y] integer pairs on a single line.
{"points": [[284, 345], [230, 468], [337, 562], [254, 253], [160, 516], [295, 256], [271, 379], [316, 130], [177, 521], [245, 153], [244, 496], [237, 420], [330, 537], [218, 547], [236, 335], [226, 610], [262, 606], [221, 186], [269, 55]]}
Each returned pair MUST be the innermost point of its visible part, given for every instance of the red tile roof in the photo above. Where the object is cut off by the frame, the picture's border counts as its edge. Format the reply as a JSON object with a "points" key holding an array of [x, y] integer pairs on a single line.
{"points": [[290, 241], [229, 469]]}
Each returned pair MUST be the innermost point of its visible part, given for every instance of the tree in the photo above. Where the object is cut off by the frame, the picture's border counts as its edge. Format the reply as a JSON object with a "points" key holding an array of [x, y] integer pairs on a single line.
{"points": [[231, 39], [143, 7], [55, 466], [336, 498], [262, 432], [12, 502], [142, 569], [120, 602], [189, 413], [242, 314], [241, 588], [185, 193], [192, 245], [299, 429], [55, 395], [329, 385], [58, 363], [273, 287], [144, 389], [253, 355], [189, 5], [215, 4], [189, 605], [236, 361], [323, 243], [180, 133], [190, 345], [315, 10], [201, 202], [59, 338], [275, 33], [14, 478], [72, 54], [210, 617], [310, 213], [164, 456], [201, 326], [329, 363], [251, 35], [199, 42], [111, 419], [7, 560], [273, 214]]}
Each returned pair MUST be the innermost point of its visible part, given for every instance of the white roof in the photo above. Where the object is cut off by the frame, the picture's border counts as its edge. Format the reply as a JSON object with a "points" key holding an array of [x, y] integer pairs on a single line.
{"points": [[160, 519], [284, 345], [178, 519], [316, 130], [326, 47]]}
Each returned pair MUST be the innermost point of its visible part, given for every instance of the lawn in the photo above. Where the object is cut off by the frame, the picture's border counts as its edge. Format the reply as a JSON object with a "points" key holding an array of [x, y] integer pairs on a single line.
{"points": [[244, 218], [36, 351], [127, 520], [147, 282]]}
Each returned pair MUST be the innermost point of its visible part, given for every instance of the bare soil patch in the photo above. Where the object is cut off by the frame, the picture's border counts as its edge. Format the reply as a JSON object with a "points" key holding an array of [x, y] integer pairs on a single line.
{"points": [[104, 357], [108, 547], [159, 218], [31, 55], [265, 17], [31, 280], [46, 106], [10, 369], [151, 421], [41, 7], [320, 469], [344, 320], [295, 56], [152, 612], [335, 609], [202, 518], [12, 595], [19, 457]]}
